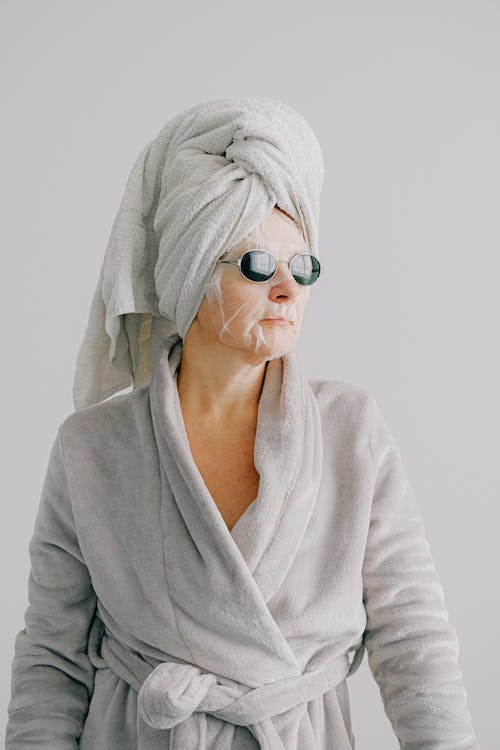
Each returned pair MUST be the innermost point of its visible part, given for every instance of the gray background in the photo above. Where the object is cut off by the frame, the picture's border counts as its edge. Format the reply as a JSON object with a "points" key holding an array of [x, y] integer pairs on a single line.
{"points": [[404, 98]]}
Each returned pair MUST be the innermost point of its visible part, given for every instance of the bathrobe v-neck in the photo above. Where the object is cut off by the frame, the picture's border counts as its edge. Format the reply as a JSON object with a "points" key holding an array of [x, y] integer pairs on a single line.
{"points": [[288, 454]]}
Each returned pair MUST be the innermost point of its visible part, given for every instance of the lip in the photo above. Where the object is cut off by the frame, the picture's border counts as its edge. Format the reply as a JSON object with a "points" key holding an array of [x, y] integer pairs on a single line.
{"points": [[281, 321]]}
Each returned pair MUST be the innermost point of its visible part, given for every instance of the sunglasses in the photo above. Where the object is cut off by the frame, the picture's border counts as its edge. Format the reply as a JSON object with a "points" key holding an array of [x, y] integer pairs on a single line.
{"points": [[260, 265]]}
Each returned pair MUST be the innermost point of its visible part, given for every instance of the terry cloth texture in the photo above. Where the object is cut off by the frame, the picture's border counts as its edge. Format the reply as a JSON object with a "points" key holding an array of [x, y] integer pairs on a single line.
{"points": [[211, 175]]}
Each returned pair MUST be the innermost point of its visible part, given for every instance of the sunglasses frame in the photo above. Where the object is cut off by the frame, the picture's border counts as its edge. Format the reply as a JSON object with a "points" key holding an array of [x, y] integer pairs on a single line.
{"points": [[237, 262]]}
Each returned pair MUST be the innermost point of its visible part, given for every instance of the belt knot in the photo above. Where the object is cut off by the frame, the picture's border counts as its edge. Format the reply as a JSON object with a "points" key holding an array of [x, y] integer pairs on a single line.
{"points": [[173, 691]]}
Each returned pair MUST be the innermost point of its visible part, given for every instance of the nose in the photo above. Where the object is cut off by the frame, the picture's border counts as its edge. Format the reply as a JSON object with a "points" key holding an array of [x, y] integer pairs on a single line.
{"points": [[283, 284]]}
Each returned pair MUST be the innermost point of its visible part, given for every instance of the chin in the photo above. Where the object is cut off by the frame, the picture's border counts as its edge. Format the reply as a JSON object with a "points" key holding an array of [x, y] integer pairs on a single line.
{"points": [[275, 350]]}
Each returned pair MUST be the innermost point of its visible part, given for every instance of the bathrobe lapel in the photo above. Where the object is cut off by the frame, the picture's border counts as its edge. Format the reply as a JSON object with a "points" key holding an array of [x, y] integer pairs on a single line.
{"points": [[221, 580]]}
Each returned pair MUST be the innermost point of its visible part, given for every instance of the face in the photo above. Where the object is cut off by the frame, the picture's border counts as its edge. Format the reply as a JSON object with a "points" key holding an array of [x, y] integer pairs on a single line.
{"points": [[239, 312]]}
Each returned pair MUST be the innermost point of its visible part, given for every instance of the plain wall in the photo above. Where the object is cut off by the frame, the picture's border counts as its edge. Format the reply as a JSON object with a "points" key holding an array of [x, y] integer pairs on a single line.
{"points": [[404, 98]]}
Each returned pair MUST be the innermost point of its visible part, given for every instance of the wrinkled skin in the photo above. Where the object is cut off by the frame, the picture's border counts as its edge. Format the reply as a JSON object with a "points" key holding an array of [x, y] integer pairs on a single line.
{"points": [[228, 344], [233, 308]]}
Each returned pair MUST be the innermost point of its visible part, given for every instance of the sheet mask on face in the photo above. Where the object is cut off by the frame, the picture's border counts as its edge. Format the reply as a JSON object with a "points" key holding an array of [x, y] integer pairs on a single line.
{"points": [[239, 311]]}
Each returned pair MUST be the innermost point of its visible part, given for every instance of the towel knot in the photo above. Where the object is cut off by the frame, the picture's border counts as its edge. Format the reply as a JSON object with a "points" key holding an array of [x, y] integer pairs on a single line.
{"points": [[246, 155]]}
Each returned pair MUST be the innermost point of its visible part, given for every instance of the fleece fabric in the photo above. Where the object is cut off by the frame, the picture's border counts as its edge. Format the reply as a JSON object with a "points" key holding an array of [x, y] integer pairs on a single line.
{"points": [[151, 625]]}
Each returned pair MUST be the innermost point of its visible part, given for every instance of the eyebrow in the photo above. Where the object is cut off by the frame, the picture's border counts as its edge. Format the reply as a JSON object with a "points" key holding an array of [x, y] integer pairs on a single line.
{"points": [[297, 224], [291, 218]]}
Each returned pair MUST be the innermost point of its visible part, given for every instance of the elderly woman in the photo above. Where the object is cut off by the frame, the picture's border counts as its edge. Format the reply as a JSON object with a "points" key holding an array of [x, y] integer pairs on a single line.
{"points": [[214, 549]]}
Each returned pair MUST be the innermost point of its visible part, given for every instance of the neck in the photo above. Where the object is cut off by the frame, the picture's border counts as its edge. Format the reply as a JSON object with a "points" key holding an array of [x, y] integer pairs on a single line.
{"points": [[217, 383]]}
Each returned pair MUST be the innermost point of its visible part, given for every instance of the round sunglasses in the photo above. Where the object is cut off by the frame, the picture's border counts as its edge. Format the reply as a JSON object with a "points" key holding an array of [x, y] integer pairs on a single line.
{"points": [[261, 265]]}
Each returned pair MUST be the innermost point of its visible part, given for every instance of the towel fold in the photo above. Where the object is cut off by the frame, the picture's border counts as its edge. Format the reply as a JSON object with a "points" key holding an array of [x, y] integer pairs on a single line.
{"points": [[210, 176]]}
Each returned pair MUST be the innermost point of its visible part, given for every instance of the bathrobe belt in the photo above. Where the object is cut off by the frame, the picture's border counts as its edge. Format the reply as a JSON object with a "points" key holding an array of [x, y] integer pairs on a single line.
{"points": [[171, 691]]}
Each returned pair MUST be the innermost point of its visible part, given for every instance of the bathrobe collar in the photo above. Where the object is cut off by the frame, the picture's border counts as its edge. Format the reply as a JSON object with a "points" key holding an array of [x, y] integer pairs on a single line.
{"points": [[245, 566]]}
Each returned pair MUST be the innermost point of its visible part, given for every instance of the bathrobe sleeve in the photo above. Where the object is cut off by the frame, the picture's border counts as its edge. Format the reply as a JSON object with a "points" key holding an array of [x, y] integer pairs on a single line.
{"points": [[52, 677], [411, 646]]}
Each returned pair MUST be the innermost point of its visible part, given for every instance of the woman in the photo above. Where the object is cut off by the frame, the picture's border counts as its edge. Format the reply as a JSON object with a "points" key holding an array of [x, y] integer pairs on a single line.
{"points": [[215, 549]]}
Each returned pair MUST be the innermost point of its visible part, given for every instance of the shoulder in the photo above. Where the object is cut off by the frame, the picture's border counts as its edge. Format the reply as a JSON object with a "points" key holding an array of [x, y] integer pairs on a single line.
{"points": [[351, 410], [341, 397], [121, 415]]}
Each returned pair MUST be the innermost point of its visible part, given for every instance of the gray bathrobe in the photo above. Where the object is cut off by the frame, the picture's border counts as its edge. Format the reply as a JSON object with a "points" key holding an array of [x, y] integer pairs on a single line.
{"points": [[151, 625]]}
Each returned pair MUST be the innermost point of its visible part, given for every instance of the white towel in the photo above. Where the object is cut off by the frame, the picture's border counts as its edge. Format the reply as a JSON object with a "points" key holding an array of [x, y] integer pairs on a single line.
{"points": [[211, 175]]}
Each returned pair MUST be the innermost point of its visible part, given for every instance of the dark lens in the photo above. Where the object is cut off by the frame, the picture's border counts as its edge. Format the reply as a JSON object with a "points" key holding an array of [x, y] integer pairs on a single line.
{"points": [[257, 265], [305, 269]]}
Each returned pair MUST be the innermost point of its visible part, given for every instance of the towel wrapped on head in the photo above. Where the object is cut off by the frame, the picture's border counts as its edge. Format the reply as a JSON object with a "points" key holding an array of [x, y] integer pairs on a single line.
{"points": [[211, 175]]}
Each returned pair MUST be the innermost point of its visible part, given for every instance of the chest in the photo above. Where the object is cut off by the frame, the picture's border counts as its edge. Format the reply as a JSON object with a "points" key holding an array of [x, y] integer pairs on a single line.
{"points": [[225, 460]]}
